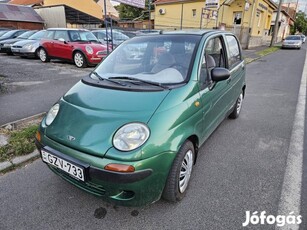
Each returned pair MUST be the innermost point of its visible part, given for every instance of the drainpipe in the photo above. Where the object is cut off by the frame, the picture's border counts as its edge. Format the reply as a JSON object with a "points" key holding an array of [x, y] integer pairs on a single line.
{"points": [[251, 22], [181, 16]]}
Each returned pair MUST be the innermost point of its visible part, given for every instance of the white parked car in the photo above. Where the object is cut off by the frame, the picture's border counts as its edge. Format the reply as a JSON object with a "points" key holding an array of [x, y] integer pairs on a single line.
{"points": [[292, 41]]}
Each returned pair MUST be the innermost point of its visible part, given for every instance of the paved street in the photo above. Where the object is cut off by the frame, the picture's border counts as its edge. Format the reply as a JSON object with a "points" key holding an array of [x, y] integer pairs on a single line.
{"points": [[35, 86], [240, 168]]}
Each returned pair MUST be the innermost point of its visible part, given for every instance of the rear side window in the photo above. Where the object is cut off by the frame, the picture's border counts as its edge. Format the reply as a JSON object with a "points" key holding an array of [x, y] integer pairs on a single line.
{"points": [[234, 55]]}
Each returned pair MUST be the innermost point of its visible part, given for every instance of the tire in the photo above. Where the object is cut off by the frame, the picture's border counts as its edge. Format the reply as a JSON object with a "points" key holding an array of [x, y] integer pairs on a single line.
{"points": [[237, 108], [176, 186], [43, 56], [79, 59]]}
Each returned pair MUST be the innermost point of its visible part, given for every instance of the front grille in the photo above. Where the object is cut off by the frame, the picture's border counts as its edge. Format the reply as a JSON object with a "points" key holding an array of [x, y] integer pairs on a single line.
{"points": [[101, 53], [17, 47], [87, 186]]}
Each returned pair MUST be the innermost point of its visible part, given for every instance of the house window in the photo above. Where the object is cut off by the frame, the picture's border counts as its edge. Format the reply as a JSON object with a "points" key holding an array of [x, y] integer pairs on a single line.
{"points": [[194, 13], [259, 15], [237, 18]]}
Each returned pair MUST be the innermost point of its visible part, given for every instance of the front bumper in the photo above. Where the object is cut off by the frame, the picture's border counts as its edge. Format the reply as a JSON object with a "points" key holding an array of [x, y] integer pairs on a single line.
{"points": [[141, 187], [293, 46], [5, 49], [23, 52]]}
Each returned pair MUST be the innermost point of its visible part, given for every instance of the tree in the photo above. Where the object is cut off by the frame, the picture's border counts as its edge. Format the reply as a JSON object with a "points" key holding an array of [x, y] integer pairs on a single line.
{"points": [[127, 12], [300, 24]]}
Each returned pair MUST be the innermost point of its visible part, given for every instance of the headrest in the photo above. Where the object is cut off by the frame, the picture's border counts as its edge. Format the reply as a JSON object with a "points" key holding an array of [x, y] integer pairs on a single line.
{"points": [[210, 62]]}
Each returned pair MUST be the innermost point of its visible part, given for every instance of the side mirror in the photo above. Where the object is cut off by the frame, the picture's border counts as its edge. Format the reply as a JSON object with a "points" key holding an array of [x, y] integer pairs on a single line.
{"points": [[62, 40], [219, 74]]}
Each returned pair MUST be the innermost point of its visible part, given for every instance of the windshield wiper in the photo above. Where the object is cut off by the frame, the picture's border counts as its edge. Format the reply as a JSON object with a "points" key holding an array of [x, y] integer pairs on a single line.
{"points": [[106, 79], [140, 80]]}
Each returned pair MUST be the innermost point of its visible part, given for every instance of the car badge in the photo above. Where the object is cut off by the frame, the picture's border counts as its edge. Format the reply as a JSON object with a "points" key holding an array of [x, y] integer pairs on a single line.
{"points": [[71, 138]]}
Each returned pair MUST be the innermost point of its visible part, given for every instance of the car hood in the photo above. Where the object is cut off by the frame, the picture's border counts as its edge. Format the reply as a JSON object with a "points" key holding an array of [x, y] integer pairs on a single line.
{"points": [[89, 116], [292, 41], [24, 42]]}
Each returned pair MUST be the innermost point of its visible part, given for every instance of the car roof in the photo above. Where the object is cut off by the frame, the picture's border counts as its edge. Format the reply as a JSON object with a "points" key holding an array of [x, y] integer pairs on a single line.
{"points": [[190, 32], [70, 29]]}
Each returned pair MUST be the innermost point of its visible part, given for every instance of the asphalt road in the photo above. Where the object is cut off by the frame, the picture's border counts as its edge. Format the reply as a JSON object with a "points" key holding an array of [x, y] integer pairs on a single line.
{"points": [[240, 168], [35, 86]]}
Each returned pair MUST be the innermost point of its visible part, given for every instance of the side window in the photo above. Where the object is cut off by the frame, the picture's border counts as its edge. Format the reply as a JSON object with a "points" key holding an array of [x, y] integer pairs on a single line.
{"points": [[61, 34], [49, 34], [214, 56], [234, 55]]}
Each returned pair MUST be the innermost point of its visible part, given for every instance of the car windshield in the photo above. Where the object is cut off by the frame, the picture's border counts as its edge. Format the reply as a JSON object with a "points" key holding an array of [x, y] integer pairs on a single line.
{"points": [[26, 35], [38, 35], [293, 38], [82, 36], [3, 32], [162, 59], [8, 34]]}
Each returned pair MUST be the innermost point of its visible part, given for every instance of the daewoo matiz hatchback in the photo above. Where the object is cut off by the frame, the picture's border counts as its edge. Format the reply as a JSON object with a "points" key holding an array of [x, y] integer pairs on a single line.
{"points": [[130, 131], [76, 45]]}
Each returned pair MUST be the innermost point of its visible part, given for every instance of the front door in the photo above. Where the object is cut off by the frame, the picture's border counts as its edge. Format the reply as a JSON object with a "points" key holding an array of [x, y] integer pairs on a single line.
{"points": [[214, 95], [62, 47]]}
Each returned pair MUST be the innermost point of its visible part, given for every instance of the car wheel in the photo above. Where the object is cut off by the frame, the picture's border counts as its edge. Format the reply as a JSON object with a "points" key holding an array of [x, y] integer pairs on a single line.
{"points": [[79, 60], [43, 56], [237, 108], [180, 173]]}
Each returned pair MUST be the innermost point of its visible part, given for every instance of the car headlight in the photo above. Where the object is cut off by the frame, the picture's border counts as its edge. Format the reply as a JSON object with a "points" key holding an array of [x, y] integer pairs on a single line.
{"points": [[89, 49], [130, 136], [7, 45], [28, 46], [52, 114]]}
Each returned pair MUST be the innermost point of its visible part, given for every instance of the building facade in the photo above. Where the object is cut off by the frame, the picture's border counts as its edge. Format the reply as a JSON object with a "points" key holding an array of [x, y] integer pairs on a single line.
{"points": [[250, 20]]}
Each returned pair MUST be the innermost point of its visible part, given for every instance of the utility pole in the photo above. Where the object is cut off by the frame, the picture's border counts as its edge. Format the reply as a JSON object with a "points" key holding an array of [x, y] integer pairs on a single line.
{"points": [[275, 31], [149, 9], [181, 16]]}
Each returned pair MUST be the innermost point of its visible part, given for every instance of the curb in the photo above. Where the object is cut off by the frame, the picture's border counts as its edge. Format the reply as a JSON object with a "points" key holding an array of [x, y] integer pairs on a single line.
{"points": [[6, 165], [17, 161]]}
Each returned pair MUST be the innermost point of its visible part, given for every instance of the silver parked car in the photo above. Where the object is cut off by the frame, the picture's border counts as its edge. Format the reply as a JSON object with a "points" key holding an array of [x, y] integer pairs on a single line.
{"points": [[292, 41], [28, 48]]}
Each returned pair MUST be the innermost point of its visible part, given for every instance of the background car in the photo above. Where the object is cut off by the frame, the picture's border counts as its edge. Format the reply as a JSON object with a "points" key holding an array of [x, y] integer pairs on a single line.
{"points": [[12, 34], [5, 45], [28, 47], [292, 41], [118, 37], [303, 38], [79, 46]]}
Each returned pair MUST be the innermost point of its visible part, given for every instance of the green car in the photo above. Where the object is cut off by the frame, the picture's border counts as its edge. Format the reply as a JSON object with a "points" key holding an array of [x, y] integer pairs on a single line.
{"points": [[130, 131]]}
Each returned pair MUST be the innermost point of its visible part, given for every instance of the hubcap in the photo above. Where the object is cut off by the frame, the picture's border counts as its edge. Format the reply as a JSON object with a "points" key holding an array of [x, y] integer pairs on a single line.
{"points": [[42, 55], [78, 59], [185, 171], [239, 104]]}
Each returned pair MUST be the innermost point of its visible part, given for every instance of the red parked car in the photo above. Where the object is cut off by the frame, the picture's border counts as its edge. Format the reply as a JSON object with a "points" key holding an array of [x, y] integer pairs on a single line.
{"points": [[79, 46]]}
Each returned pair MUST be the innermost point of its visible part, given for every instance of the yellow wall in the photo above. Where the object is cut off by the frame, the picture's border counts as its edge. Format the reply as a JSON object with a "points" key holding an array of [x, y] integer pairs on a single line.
{"points": [[172, 17], [86, 6]]}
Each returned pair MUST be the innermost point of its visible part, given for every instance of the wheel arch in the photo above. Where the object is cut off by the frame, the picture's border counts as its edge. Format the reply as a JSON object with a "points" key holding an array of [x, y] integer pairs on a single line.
{"points": [[81, 51]]}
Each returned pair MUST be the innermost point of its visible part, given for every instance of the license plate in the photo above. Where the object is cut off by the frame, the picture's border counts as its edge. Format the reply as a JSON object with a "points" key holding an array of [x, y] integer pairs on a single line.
{"points": [[72, 169], [16, 51]]}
